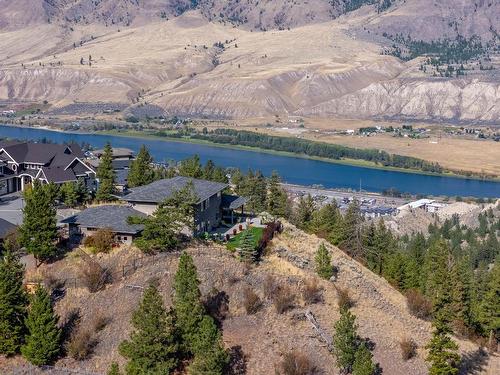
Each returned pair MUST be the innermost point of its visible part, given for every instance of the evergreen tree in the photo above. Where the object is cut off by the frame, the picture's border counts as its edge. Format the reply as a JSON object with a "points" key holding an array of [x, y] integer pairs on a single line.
{"points": [[489, 310], [141, 169], [13, 303], [350, 237], [187, 302], [363, 363], [442, 355], [210, 357], [69, 194], [191, 167], [209, 170], [304, 212], [436, 271], [38, 233], [277, 199], [152, 348], [325, 219], [106, 176], [461, 278], [345, 340], [323, 262], [247, 249], [43, 342]]}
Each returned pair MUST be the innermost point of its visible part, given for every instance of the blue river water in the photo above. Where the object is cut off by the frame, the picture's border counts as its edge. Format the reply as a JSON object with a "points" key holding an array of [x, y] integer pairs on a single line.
{"points": [[293, 170]]}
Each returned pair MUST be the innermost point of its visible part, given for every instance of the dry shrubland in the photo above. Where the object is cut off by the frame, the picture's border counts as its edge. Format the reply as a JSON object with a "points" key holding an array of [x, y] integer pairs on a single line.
{"points": [[296, 363], [251, 301], [418, 304], [311, 292], [408, 348]]}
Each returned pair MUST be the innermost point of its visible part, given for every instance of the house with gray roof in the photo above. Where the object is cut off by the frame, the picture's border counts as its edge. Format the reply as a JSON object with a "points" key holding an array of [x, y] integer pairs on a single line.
{"points": [[112, 217], [208, 208], [23, 162]]}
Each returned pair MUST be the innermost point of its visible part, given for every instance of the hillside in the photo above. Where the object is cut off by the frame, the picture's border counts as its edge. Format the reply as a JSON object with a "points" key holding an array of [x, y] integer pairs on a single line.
{"points": [[233, 59], [264, 337]]}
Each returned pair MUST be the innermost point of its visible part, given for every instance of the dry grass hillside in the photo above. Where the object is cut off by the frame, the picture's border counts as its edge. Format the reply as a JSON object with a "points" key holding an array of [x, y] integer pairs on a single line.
{"points": [[215, 61], [265, 336]]}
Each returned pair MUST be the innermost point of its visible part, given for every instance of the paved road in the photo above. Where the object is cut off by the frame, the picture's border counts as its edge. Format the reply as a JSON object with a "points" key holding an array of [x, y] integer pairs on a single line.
{"points": [[339, 195], [11, 206]]}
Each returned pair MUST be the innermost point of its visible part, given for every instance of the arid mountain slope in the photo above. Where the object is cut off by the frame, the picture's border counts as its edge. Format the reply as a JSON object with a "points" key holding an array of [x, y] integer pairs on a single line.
{"points": [[265, 336], [197, 63]]}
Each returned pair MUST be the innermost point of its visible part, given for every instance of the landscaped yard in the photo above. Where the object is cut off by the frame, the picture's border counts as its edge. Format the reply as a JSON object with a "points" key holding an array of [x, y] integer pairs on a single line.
{"points": [[234, 242]]}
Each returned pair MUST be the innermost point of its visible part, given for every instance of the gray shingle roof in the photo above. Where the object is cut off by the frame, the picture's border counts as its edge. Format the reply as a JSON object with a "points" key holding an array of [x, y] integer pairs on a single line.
{"points": [[233, 201], [108, 216], [58, 174], [158, 191]]}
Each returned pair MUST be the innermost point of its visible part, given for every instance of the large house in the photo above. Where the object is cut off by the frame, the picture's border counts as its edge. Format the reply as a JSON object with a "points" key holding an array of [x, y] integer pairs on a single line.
{"points": [[23, 162], [112, 217], [209, 208]]}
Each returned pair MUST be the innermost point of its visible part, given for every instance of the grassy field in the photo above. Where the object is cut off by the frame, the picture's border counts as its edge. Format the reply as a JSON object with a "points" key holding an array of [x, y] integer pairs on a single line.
{"points": [[234, 242]]}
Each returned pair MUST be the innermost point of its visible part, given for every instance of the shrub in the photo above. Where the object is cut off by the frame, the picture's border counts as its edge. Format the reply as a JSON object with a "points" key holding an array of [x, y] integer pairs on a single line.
{"points": [[408, 348], [100, 322], [283, 299], [101, 241], [311, 292], [418, 304], [251, 301], [269, 286], [81, 344], [93, 275], [296, 363], [344, 300]]}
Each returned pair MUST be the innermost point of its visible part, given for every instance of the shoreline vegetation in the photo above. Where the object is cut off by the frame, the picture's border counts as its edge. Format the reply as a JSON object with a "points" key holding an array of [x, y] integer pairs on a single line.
{"points": [[290, 147], [201, 138]]}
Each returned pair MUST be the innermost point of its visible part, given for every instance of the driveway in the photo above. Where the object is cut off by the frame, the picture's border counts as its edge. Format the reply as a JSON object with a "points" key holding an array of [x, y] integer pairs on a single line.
{"points": [[11, 206]]}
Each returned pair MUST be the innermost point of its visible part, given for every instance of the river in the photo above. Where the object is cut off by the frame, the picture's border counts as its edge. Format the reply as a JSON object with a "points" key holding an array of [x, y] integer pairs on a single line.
{"points": [[293, 170]]}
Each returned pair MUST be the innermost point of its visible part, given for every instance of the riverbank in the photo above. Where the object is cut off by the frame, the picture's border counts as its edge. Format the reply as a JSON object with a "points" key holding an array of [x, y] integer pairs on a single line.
{"points": [[345, 161]]}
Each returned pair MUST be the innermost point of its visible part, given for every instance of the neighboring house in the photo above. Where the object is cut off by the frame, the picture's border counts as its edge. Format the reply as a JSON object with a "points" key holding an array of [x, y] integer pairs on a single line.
{"points": [[112, 217], [208, 208], [122, 159], [23, 162]]}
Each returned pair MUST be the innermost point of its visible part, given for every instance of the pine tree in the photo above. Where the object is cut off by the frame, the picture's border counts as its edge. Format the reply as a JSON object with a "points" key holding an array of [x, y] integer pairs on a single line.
{"points": [[345, 340], [152, 348], [323, 262], [461, 279], [436, 271], [209, 170], [277, 199], [187, 302], [141, 169], [13, 303], [247, 250], [304, 212], [106, 176], [489, 309], [210, 357], [38, 232], [191, 167], [363, 363], [442, 355], [69, 194], [350, 238], [325, 219], [43, 342]]}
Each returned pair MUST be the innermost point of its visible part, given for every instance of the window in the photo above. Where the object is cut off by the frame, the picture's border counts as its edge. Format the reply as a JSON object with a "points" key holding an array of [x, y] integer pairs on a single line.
{"points": [[119, 238], [125, 238]]}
